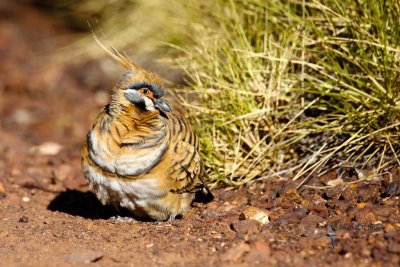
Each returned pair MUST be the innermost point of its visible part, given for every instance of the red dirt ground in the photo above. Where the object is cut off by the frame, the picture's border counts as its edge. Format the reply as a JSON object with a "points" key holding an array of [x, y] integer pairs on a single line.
{"points": [[49, 218]]}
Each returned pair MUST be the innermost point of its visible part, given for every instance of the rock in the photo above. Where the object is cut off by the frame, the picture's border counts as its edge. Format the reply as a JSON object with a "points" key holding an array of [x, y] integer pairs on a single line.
{"points": [[230, 218], [4, 234], [47, 149], [318, 200], [23, 219], [253, 213], [334, 193], [368, 193], [235, 252], [87, 256], [392, 189], [335, 182], [350, 192], [362, 205], [289, 193], [330, 176], [246, 227], [389, 228], [370, 217], [312, 220], [365, 216], [23, 117]]}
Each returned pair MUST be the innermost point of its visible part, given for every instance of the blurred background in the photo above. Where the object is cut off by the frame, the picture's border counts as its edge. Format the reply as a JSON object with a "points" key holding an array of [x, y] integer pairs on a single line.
{"points": [[54, 77], [276, 88]]}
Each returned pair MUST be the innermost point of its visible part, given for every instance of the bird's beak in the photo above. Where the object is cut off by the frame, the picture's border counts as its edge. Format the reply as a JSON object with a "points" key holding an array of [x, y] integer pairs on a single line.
{"points": [[162, 105]]}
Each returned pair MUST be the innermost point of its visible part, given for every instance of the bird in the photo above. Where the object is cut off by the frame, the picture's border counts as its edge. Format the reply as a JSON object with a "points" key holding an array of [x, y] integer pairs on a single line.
{"points": [[141, 155]]}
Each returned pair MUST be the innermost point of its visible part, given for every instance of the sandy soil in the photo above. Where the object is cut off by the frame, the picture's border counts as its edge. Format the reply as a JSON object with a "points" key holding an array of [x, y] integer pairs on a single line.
{"points": [[49, 218]]}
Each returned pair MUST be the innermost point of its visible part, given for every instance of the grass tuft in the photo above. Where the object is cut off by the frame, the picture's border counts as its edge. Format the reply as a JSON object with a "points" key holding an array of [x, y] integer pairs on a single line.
{"points": [[295, 87]]}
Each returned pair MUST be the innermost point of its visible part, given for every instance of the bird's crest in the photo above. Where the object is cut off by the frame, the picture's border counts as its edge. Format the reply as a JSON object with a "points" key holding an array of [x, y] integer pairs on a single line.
{"points": [[123, 60]]}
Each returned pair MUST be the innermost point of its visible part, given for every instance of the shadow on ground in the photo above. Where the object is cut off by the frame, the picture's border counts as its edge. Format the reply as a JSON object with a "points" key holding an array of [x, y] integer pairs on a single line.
{"points": [[83, 204]]}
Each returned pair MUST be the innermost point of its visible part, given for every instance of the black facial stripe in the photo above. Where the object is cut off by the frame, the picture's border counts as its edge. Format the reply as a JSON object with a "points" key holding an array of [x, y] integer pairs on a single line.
{"points": [[157, 91]]}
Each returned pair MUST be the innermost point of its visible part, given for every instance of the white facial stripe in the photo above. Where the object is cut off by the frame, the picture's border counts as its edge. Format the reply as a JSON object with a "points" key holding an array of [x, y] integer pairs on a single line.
{"points": [[148, 103]]}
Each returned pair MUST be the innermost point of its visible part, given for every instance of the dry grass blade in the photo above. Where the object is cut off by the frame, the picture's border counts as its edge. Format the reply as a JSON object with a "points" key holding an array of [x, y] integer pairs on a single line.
{"points": [[302, 86]]}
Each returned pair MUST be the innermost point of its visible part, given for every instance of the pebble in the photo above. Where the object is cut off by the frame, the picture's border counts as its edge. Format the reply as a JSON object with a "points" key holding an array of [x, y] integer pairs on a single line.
{"points": [[246, 227], [47, 149], [253, 213], [3, 234], [389, 228], [23, 219], [335, 182]]}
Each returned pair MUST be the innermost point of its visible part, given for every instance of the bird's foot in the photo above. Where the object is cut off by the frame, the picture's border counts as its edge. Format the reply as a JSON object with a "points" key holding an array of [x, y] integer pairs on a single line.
{"points": [[122, 219]]}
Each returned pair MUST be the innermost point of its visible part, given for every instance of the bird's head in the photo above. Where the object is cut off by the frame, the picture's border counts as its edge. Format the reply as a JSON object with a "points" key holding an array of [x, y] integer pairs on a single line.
{"points": [[138, 90], [141, 90]]}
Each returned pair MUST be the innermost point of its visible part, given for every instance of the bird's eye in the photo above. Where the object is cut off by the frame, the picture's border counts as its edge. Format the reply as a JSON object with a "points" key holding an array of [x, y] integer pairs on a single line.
{"points": [[144, 91]]}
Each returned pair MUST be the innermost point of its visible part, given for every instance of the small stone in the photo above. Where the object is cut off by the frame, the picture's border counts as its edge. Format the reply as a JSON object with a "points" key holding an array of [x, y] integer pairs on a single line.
{"points": [[47, 149], [246, 227], [348, 255], [350, 193], [3, 234], [23, 219], [361, 205], [346, 235], [312, 220], [368, 194], [290, 194], [389, 228], [335, 182], [370, 217], [392, 189], [318, 200], [149, 245], [22, 116], [332, 175], [253, 213], [26, 199], [334, 192]]}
